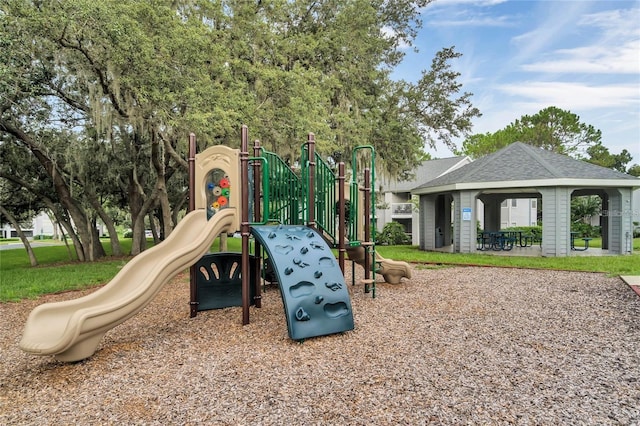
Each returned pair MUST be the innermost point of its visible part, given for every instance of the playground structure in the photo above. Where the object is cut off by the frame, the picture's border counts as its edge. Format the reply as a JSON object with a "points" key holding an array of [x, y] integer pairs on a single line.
{"points": [[292, 219]]}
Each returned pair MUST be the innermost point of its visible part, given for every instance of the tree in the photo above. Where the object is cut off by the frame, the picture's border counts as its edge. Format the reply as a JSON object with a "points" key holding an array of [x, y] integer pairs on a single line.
{"points": [[600, 155], [584, 208], [634, 170], [552, 129], [101, 96], [17, 207], [107, 78]]}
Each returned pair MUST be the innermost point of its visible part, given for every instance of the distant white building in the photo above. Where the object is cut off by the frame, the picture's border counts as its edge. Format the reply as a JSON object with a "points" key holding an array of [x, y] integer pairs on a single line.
{"points": [[517, 212], [41, 225]]}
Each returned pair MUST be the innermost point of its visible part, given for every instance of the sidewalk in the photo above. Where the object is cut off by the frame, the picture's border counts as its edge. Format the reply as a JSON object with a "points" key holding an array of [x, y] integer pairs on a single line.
{"points": [[19, 245], [633, 281]]}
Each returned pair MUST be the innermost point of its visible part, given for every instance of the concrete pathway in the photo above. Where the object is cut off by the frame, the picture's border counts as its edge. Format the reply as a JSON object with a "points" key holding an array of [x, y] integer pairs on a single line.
{"points": [[14, 246], [633, 281]]}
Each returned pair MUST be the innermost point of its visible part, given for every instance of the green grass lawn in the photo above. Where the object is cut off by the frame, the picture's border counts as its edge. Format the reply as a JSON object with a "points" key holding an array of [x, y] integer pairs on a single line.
{"points": [[611, 265], [56, 272]]}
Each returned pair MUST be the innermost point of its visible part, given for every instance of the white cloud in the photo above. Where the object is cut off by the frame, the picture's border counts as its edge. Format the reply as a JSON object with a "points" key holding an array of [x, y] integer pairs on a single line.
{"points": [[618, 22], [620, 59], [552, 26], [613, 46], [466, 13], [574, 96], [480, 3], [474, 21]]}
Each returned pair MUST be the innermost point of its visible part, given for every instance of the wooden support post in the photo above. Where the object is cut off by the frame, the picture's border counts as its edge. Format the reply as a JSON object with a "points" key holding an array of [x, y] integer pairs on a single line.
{"points": [[244, 221], [311, 195], [257, 199], [367, 231], [341, 217], [193, 288]]}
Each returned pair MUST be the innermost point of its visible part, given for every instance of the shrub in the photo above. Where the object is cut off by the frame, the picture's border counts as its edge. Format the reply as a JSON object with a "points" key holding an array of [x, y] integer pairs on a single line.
{"points": [[526, 230], [586, 230], [393, 234]]}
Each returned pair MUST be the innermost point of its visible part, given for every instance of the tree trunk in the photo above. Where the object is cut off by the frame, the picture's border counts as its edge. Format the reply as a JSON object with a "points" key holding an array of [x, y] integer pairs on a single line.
{"points": [[66, 243], [136, 207], [60, 185], [23, 238], [116, 250], [65, 224], [161, 185]]}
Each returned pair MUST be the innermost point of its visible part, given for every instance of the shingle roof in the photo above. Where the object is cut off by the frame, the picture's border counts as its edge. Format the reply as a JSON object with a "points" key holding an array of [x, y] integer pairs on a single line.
{"points": [[425, 172], [522, 162]]}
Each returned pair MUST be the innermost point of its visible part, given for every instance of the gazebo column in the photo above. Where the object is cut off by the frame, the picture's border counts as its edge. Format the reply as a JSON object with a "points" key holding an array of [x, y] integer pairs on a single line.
{"points": [[443, 219], [556, 221], [620, 222], [604, 222], [465, 219], [427, 222], [492, 211]]}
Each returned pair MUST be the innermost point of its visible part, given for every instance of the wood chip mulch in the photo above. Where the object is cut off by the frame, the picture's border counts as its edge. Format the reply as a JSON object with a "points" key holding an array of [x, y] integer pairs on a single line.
{"points": [[453, 345]]}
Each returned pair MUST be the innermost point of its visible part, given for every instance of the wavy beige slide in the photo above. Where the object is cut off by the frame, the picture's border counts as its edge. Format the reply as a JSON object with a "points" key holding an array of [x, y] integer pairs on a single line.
{"points": [[391, 270], [71, 330]]}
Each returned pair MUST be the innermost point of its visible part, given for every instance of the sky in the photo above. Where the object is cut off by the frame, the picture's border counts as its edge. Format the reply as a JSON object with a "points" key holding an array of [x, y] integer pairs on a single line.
{"points": [[521, 56]]}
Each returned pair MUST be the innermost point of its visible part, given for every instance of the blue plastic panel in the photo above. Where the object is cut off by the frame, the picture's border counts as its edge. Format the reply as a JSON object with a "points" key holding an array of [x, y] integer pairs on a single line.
{"points": [[314, 292]]}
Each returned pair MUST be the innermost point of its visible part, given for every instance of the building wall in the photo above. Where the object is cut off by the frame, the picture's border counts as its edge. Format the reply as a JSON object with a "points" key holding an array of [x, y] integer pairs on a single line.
{"points": [[518, 212], [41, 225]]}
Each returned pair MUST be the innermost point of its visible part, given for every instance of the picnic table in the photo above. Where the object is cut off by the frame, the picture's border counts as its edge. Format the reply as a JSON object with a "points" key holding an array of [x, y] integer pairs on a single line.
{"points": [[503, 240]]}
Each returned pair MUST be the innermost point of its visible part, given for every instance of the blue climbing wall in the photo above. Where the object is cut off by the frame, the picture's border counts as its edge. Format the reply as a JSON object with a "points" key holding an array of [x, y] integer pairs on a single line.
{"points": [[314, 293]]}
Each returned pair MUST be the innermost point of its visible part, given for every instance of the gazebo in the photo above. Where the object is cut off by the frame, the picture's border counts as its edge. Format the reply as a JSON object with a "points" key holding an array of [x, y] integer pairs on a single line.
{"points": [[524, 171]]}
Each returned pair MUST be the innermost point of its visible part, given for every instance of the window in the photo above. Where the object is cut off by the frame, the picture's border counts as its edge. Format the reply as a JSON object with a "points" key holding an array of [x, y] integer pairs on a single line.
{"points": [[514, 203]]}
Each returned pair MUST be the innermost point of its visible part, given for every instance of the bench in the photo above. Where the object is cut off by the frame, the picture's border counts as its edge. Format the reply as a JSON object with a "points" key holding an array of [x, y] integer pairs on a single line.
{"points": [[586, 244], [527, 240]]}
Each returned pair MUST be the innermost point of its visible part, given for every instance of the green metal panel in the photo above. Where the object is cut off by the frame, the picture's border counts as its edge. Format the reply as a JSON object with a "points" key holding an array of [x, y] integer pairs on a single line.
{"points": [[325, 194], [284, 191]]}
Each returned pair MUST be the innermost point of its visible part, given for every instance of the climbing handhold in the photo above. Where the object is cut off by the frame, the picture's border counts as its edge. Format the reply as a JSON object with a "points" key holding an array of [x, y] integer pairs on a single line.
{"points": [[333, 286], [302, 315], [317, 274], [288, 271], [318, 300], [299, 262], [304, 250]]}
